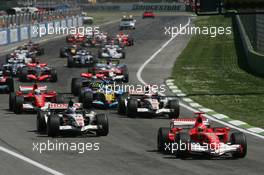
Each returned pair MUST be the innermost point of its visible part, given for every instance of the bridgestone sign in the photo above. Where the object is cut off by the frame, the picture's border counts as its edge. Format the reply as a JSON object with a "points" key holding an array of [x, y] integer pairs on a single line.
{"points": [[158, 7]]}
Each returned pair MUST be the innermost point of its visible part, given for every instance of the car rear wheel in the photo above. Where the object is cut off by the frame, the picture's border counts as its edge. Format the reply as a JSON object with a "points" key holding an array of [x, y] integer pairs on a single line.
{"points": [[132, 105], [102, 123], [10, 84], [53, 126], [23, 75], [174, 105], [76, 85], [54, 76], [70, 62], [88, 100], [41, 123], [12, 96], [239, 138], [62, 53], [121, 104], [18, 105]]}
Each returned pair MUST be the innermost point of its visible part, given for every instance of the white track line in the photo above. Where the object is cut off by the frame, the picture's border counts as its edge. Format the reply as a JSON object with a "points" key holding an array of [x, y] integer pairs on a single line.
{"points": [[30, 161], [139, 77]]}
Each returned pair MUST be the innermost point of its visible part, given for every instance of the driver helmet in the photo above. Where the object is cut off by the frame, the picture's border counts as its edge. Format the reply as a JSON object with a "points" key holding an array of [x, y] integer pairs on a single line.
{"points": [[37, 92]]}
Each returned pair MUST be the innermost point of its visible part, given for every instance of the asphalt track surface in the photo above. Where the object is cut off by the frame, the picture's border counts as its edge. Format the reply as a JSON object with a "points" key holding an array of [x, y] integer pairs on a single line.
{"points": [[130, 147]]}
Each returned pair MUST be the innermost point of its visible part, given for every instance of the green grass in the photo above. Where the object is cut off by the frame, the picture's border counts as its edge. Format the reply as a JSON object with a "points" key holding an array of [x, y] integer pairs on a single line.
{"points": [[214, 73]]}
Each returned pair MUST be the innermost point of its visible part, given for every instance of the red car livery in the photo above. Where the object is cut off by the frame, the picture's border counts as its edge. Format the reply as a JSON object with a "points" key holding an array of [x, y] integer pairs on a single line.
{"points": [[148, 14], [77, 38], [31, 98], [37, 72], [189, 136]]}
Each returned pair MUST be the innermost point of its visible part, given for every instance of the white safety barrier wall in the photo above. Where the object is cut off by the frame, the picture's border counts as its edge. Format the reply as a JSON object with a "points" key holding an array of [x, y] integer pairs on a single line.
{"points": [[17, 34]]}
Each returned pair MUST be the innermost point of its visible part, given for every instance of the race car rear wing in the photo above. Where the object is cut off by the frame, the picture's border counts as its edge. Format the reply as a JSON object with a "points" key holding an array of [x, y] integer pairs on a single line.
{"points": [[187, 122], [30, 88], [57, 106], [104, 61]]}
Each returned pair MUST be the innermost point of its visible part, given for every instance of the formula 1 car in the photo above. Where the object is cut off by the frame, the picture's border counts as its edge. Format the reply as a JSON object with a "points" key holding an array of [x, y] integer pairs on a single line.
{"points": [[77, 38], [111, 51], [111, 70], [69, 50], [188, 136], [82, 58], [103, 96], [127, 22], [56, 119], [32, 98], [6, 83], [34, 47], [95, 40], [86, 79], [124, 39], [148, 14], [22, 56], [13, 69], [148, 103], [37, 72]]}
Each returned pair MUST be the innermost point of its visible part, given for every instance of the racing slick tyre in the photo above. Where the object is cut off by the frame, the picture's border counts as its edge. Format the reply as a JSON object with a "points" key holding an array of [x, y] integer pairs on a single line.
{"points": [[81, 95], [76, 85], [18, 105], [102, 123], [12, 97], [123, 54], [163, 140], [182, 141], [175, 106], [121, 108], [54, 76], [126, 78], [53, 126], [87, 100], [70, 62], [239, 138], [23, 75], [10, 84], [132, 105], [62, 50], [41, 123]]}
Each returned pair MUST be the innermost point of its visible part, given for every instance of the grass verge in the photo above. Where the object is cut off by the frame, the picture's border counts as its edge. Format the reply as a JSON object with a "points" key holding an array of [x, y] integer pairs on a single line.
{"points": [[214, 73]]}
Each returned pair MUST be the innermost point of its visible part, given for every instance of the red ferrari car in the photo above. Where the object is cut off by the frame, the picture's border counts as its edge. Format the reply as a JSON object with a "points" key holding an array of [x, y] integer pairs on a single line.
{"points": [[148, 14], [189, 136], [31, 98], [124, 39], [37, 72], [77, 38]]}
